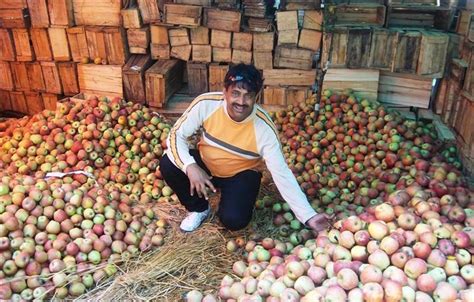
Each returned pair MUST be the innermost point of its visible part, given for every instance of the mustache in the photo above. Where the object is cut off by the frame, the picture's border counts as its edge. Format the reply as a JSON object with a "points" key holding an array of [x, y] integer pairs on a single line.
{"points": [[243, 106]]}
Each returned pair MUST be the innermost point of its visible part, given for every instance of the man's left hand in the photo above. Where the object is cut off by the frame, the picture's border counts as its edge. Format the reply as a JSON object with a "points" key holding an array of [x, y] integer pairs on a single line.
{"points": [[318, 222]]}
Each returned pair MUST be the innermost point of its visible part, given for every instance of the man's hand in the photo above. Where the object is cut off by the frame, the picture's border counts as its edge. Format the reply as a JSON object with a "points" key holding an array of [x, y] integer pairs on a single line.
{"points": [[199, 180], [319, 222]]}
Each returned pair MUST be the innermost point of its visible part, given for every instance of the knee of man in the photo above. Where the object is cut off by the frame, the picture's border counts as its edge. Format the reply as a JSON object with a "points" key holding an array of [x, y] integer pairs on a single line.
{"points": [[234, 222]]}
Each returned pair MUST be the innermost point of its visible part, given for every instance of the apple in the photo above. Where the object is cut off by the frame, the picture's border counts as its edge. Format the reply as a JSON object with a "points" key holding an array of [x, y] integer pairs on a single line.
{"points": [[378, 230], [347, 239], [380, 259], [444, 292], [384, 212], [352, 224], [317, 274], [426, 283], [393, 291], [389, 245], [408, 294], [438, 274], [395, 274], [461, 239], [422, 297], [335, 293], [347, 279], [371, 273], [422, 250], [373, 292], [362, 237], [399, 259], [355, 295], [415, 267], [463, 257], [359, 253], [457, 282], [467, 272], [406, 221], [451, 267]]}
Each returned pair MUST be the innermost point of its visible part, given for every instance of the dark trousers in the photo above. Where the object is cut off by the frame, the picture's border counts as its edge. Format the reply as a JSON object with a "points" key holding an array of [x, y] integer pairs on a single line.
{"points": [[238, 193]]}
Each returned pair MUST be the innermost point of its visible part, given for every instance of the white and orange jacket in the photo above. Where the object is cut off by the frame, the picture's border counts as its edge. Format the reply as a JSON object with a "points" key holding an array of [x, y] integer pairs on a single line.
{"points": [[228, 147]]}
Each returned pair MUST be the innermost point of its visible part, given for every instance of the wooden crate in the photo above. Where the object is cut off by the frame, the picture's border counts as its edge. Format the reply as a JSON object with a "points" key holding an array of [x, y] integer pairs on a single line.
{"points": [[178, 36], [407, 52], [100, 79], [7, 48], [263, 59], [440, 98], [41, 45], [358, 47], [364, 82], [182, 14], [413, 2], [464, 22], [274, 95], [14, 18], [18, 102], [199, 35], [181, 52], [49, 101], [287, 20], [23, 49], [215, 18], [263, 41], [134, 77], [59, 44], [35, 76], [131, 17], [197, 78], [78, 43], [20, 76], [68, 76], [469, 78], [454, 47], [61, 12], [52, 82], [296, 95], [419, 17], [5, 103], [285, 77], [217, 74], [96, 43], [295, 58], [138, 40], [116, 45], [310, 39], [464, 125], [149, 11], [159, 35], [334, 52], [202, 53], [338, 2], [360, 14], [288, 37], [221, 38], [241, 56], [220, 54], [98, 12], [162, 80], [160, 51], [12, 4], [34, 102], [6, 80], [313, 19], [260, 25], [382, 48], [302, 4], [195, 2], [455, 83], [242, 41], [38, 13], [433, 50], [404, 90]]}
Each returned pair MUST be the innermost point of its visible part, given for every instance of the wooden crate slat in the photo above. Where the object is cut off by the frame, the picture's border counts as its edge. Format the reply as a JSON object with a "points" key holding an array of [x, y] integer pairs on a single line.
{"points": [[358, 47], [284, 77], [61, 12], [197, 78], [38, 13], [116, 46], [295, 58], [59, 44], [98, 12], [364, 82], [78, 43], [407, 53], [7, 48], [20, 76], [149, 10], [215, 18], [5, 102], [35, 76], [181, 14], [18, 102], [100, 78], [263, 59], [34, 102], [134, 77], [131, 18], [52, 82], [162, 80], [68, 77], [41, 44], [199, 35], [433, 51], [23, 49], [159, 35], [404, 89], [6, 80], [15, 18], [217, 74], [382, 49]]}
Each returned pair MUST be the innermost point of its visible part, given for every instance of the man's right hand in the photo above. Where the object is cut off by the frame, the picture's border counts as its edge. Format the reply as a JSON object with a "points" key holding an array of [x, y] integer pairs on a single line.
{"points": [[199, 180]]}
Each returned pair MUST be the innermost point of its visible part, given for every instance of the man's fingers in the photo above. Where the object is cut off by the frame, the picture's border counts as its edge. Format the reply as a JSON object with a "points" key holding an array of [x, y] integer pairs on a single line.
{"points": [[191, 188], [210, 185]]}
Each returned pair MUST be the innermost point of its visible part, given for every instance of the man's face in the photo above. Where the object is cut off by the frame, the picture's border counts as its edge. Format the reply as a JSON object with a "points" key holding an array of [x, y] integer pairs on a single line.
{"points": [[239, 102]]}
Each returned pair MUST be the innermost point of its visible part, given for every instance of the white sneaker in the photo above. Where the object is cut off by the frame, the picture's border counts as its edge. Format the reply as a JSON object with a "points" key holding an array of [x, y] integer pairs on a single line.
{"points": [[194, 220]]}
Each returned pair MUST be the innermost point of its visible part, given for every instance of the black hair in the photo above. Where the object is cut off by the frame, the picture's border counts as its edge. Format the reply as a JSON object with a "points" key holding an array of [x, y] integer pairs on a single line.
{"points": [[246, 75]]}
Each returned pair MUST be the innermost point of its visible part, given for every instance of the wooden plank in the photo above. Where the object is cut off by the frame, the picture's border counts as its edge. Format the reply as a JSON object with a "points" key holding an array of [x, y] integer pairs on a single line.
{"points": [[358, 47], [407, 53], [456, 77], [93, 13], [181, 52], [469, 78], [440, 98], [49, 101], [263, 59], [288, 37], [138, 37], [464, 22], [413, 2], [296, 95], [360, 14], [149, 11], [433, 50], [131, 18], [382, 49], [52, 82], [18, 102], [78, 43], [284, 77], [68, 76], [7, 48], [464, 125], [61, 12], [241, 56], [302, 4], [35, 76], [96, 44], [159, 35], [34, 102], [220, 54], [13, 4], [6, 80], [242, 41], [23, 49], [215, 18], [20, 76], [197, 78], [339, 44], [364, 82], [41, 45], [14, 18], [296, 58], [310, 39], [202, 53], [199, 35], [178, 36], [162, 80], [263, 41], [419, 17], [160, 51], [5, 102], [105, 79], [217, 74], [134, 77], [313, 19], [274, 95], [470, 35], [116, 46], [287, 20], [221, 38], [195, 2], [38, 13], [181, 14], [404, 90], [59, 44]]}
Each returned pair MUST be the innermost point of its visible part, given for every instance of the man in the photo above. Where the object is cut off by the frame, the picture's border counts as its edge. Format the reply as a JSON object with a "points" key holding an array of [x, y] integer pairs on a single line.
{"points": [[238, 137]]}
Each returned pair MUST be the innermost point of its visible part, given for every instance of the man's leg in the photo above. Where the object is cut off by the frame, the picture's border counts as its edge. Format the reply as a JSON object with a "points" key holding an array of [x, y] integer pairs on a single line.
{"points": [[238, 195]]}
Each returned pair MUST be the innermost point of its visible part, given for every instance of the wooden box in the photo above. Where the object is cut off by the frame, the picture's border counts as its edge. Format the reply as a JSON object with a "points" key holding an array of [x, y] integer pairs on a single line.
{"points": [[96, 43], [20, 76], [61, 12], [295, 58], [195, 2], [100, 79], [138, 40], [23, 49], [162, 80], [178, 36], [364, 82], [7, 48], [134, 77], [149, 11], [6, 80], [358, 47], [404, 90], [313, 19], [464, 22], [242, 41], [310, 39], [202, 53], [382, 49], [12, 4], [274, 95], [181, 52], [35, 76], [52, 82], [263, 59], [41, 45], [159, 34], [5, 103], [413, 2], [116, 45], [222, 19], [287, 20], [18, 102], [49, 101], [181, 14], [78, 43], [296, 95], [160, 51], [357, 14], [217, 74], [441, 93], [14, 18], [200, 35], [68, 77], [220, 38], [285, 77], [302, 4], [98, 12], [419, 17], [197, 78], [469, 79], [455, 83], [263, 41], [131, 18], [464, 125], [220, 54], [34, 102], [59, 43], [38, 13], [407, 52], [288, 37], [433, 50], [241, 56]]}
